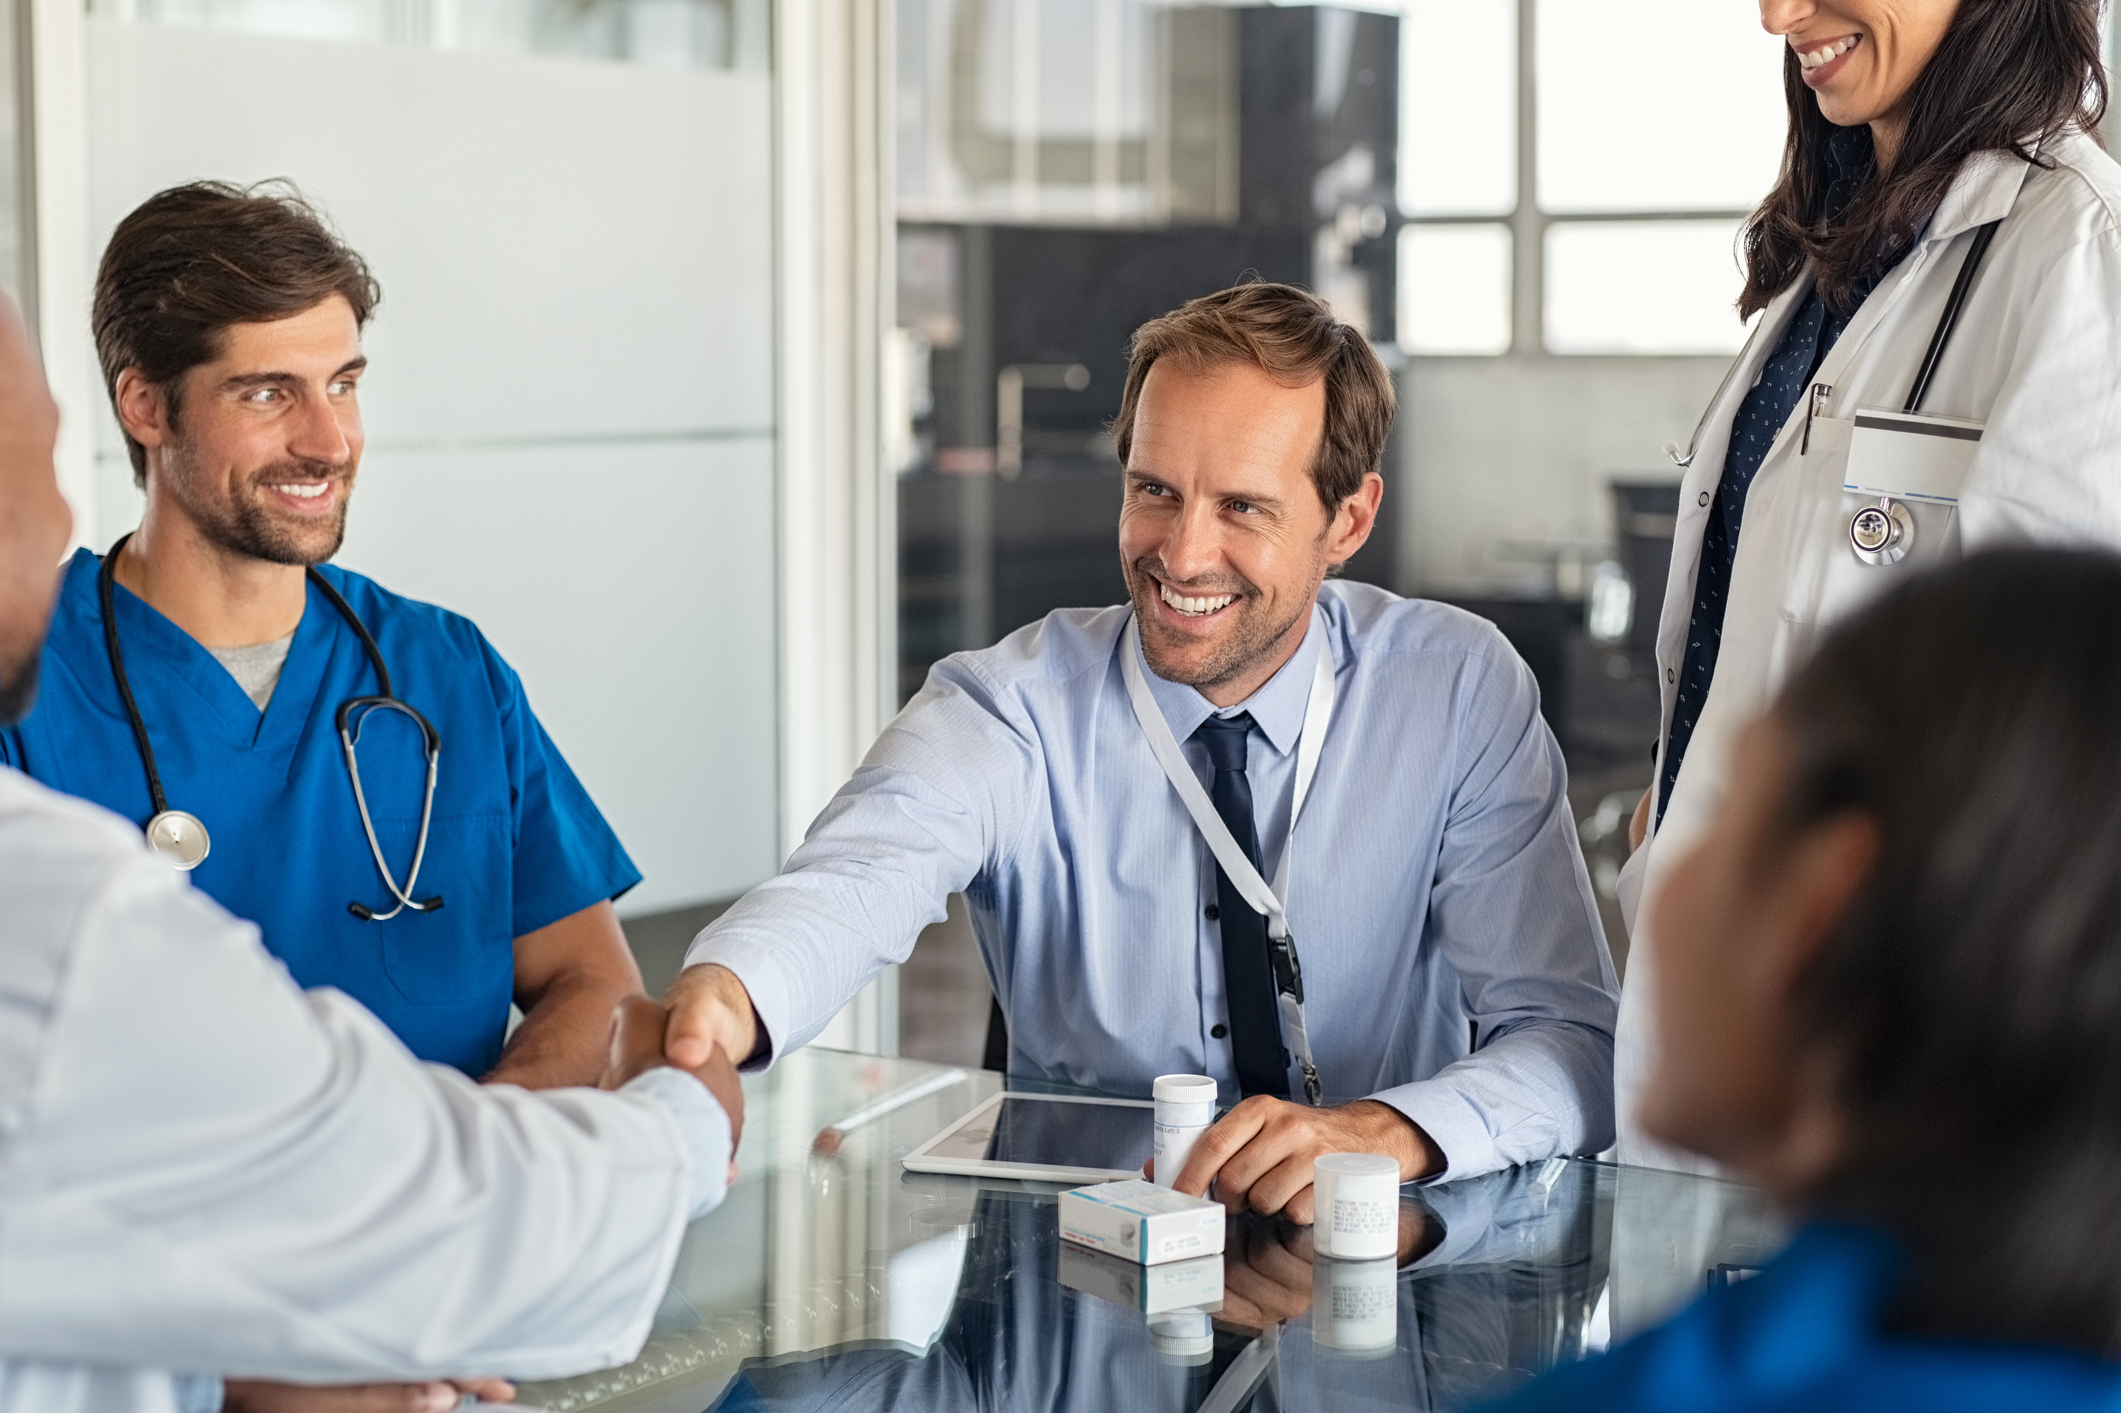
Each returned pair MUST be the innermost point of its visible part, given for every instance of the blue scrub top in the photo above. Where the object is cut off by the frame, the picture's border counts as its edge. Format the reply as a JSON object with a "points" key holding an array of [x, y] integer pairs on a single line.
{"points": [[1806, 1335], [515, 844]]}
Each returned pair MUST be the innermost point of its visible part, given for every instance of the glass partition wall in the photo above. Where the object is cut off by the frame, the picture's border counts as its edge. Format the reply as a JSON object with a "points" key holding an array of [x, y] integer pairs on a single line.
{"points": [[1068, 169], [18, 255], [1539, 240]]}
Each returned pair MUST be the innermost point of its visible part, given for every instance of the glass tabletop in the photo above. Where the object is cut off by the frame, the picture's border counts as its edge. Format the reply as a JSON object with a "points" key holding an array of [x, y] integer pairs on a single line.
{"points": [[833, 1278]]}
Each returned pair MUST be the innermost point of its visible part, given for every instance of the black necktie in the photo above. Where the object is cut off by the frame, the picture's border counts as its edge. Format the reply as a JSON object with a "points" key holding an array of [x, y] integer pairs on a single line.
{"points": [[1248, 975]]}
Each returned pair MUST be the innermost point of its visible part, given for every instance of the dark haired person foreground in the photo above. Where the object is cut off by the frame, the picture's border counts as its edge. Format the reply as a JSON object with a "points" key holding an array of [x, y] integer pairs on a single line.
{"points": [[229, 326], [1891, 994], [1942, 154], [204, 1170], [1454, 980]]}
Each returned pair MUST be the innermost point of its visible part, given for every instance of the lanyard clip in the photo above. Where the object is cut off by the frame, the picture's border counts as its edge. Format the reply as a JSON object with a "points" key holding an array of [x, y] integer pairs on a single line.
{"points": [[1288, 972]]}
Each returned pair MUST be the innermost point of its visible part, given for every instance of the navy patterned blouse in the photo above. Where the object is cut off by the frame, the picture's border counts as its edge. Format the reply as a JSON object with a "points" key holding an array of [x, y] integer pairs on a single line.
{"points": [[1804, 345]]}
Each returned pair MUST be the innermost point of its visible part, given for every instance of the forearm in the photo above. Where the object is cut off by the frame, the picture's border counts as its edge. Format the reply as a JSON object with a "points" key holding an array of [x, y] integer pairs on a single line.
{"points": [[570, 976], [562, 1038], [266, 1182], [804, 943], [1543, 1089]]}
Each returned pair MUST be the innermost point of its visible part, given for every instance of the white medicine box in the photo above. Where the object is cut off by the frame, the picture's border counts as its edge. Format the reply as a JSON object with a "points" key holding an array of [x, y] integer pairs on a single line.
{"points": [[1141, 1222]]}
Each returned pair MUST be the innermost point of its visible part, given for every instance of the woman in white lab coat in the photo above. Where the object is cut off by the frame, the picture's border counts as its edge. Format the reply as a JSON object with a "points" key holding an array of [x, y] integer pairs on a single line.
{"points": [[1937, 367]]}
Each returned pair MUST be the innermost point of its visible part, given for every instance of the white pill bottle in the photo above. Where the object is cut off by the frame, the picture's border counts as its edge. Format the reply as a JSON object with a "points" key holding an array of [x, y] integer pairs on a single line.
{"points": [[1356, 1197], [1185, 1107]]}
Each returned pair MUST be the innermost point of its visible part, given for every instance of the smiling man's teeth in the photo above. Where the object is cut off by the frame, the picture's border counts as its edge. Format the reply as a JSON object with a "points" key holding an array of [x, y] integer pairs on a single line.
{"points": [[1831, 52], [1187, 604], [305, 492]]}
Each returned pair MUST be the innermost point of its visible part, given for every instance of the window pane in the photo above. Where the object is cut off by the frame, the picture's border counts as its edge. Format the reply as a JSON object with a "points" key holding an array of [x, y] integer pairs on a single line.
{"points": [[1458, 114], [1679, 107], [1454, 289], [1642, 287]]}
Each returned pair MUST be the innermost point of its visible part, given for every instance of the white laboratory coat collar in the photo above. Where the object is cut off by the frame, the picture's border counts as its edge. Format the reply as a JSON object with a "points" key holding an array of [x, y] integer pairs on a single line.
{"points": [[1985, 190]]}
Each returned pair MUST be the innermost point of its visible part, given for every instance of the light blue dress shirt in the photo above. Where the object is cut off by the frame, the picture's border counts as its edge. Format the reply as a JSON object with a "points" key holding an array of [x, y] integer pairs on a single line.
{"points": [[1437, 893]]}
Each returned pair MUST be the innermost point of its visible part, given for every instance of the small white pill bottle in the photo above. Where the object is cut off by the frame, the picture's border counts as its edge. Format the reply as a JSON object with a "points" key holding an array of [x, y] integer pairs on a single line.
{"points": [[1185, 1107], [1356, 1200]]}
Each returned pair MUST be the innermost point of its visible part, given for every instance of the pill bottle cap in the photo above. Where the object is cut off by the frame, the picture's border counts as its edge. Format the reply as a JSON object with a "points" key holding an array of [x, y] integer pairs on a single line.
{"points": [[1358, 1165], [1185, 1089]]}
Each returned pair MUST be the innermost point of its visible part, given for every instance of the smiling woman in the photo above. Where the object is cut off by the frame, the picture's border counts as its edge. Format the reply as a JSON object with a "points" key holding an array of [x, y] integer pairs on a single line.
{"points": [[1936, 81], [1936, 367]]}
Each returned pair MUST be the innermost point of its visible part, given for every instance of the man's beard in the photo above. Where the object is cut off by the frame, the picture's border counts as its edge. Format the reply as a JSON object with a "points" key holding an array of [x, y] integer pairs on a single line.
{"points": [[243, 525], [18, 685], [1252, 637]]}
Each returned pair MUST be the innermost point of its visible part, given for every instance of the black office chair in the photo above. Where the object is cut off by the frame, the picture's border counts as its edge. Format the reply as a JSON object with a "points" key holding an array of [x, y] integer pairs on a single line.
{"points": [[996, 1056]]}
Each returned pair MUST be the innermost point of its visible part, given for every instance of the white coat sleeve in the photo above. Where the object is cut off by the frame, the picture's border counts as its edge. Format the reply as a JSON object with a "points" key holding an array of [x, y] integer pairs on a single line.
{"points": [[2049, 467], [203, 1167]]}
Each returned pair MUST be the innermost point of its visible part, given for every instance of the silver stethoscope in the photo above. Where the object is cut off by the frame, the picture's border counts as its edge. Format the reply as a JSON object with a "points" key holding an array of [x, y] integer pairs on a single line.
{"points": [[1883, 532], [182, 840]]}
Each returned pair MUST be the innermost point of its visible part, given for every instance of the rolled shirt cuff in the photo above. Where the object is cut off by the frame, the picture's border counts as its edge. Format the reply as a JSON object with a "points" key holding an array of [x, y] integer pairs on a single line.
{"points": [[702, 1123]]}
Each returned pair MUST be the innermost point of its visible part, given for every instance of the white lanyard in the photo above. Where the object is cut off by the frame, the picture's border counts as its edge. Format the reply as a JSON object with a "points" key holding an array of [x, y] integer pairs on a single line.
{"points": [[1272, 902]]}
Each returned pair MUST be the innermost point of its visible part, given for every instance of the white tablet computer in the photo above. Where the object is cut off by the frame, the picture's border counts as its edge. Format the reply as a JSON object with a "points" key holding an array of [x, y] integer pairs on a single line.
{"points": [[1044, 1138]]}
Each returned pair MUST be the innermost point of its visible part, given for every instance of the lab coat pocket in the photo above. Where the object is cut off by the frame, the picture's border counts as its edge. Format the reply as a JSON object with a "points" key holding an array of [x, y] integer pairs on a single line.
{"points": [[1879, 504]]}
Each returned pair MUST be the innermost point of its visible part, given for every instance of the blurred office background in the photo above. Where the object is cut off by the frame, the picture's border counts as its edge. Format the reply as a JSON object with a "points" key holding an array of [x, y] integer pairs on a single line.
{"points": [[741, 358]]}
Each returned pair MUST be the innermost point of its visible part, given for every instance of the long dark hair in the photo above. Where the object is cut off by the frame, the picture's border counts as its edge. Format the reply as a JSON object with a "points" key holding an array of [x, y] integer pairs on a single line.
{"points": [[1972, 996], [2009, 75]]}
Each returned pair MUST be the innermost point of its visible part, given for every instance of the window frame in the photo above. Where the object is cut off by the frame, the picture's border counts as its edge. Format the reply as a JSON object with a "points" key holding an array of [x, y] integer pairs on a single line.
{"points": [[1528, 221]]}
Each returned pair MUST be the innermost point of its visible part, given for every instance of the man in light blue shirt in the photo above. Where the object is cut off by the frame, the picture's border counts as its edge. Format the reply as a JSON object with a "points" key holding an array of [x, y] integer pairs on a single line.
{"points": [[1453, 967]]}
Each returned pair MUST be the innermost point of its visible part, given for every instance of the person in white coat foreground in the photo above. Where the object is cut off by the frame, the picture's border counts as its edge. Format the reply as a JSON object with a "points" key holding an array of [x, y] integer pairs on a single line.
{"points": [[204, 1170], [1936, 368]]}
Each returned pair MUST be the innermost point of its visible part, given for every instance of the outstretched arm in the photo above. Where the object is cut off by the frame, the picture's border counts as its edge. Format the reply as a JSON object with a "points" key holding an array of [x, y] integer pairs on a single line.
{"points": [[209, 1168]]}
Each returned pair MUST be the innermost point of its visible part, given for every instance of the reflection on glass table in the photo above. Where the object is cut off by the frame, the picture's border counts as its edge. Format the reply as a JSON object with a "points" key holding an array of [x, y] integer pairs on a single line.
{"points": [[832, 1278]]}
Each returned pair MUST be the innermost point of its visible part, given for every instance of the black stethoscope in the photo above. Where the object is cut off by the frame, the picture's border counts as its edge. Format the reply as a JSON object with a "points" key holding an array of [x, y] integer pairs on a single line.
{"points": [[182, 840]]}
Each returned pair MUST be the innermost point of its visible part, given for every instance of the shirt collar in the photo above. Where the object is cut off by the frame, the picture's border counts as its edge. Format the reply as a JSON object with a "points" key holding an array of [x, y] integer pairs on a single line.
{"points": [[1277, 707]]}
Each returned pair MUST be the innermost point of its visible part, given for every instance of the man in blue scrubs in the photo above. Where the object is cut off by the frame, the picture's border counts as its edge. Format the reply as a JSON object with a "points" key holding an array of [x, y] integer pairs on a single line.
{"points": [[229, 325]]}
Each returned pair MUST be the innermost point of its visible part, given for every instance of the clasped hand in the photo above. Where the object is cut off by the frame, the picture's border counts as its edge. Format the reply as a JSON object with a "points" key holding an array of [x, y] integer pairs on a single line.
{"points": [[1259, 1155]]}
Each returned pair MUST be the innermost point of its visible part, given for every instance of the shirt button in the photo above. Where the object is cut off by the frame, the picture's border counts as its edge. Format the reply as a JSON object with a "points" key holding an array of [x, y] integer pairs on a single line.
{"points": [[1218, 1030], [1211, 912], [1668, 675], [1704, 499]]}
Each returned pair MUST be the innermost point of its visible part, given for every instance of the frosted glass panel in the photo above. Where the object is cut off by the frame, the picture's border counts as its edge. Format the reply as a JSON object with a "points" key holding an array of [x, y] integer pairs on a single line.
{"points": [[1458, 108], [671, 34], [1677, 105], [1454, 289], [1642, 287]]}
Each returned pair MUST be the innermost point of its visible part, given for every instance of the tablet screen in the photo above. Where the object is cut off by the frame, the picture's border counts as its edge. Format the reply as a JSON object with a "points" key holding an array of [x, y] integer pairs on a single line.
{"points": [[1049, 1134]]}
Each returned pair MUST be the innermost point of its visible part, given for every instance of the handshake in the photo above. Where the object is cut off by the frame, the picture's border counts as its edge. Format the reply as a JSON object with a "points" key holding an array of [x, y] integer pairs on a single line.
{"points": [[638, 1030]]}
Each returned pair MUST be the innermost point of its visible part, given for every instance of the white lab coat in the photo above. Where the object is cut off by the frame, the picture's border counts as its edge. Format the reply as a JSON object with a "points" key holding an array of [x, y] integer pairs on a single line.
{"points": [[203, 1168], [2036, 357]]}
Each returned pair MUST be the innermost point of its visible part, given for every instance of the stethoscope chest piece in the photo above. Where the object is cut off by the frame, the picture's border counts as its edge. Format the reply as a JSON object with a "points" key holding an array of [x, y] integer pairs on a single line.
{"points": [[1882, 534], [179, 839]]}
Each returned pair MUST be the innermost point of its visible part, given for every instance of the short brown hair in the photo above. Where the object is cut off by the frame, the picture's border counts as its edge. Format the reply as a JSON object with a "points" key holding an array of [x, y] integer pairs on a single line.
{"points": [[192, 260], [1290, 334]]}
